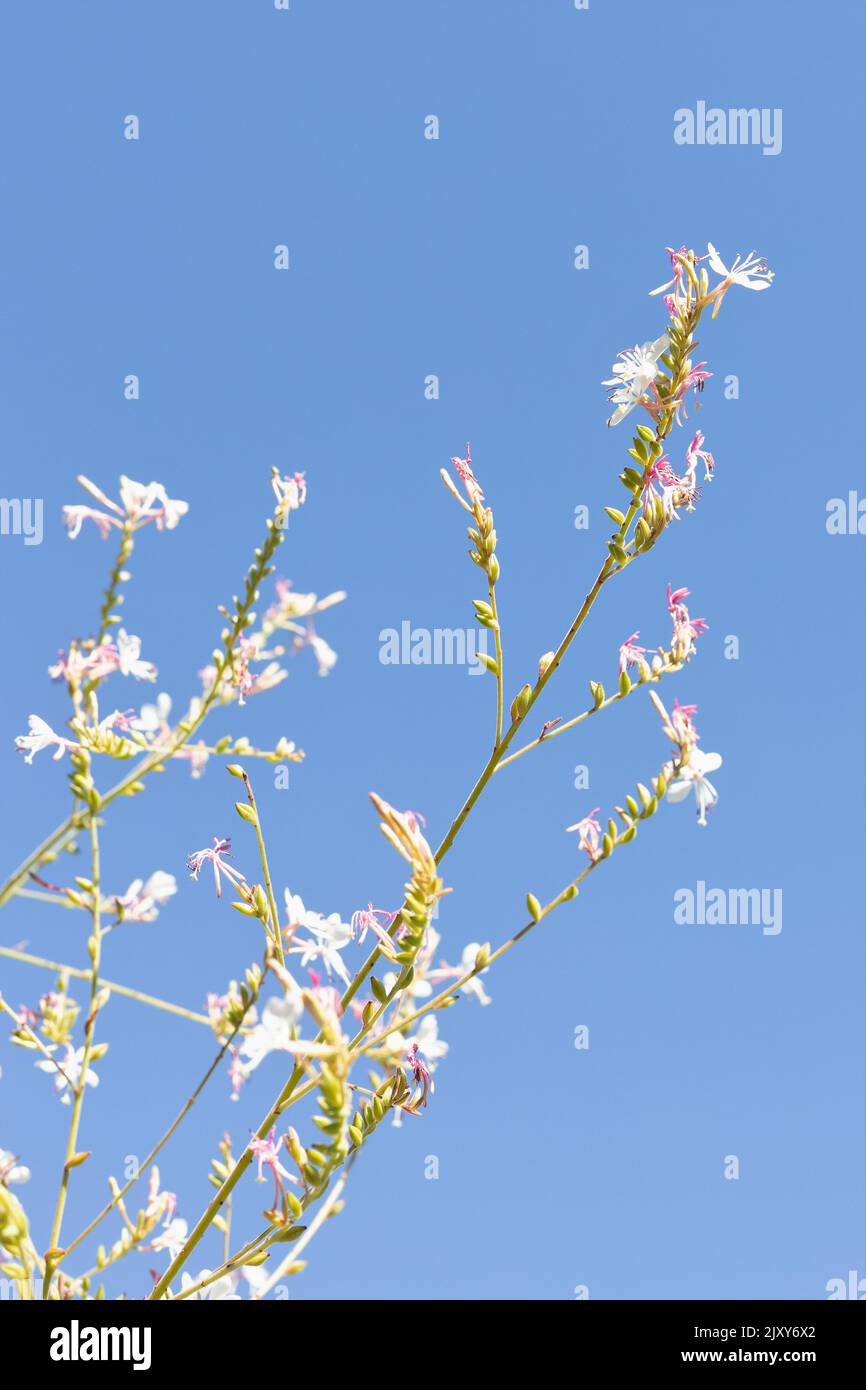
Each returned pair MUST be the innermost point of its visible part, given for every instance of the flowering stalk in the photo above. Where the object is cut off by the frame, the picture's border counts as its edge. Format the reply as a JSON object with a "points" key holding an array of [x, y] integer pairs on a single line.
{"points": [[55, 1254], [655, 378], [249, 997], [132, 783]]}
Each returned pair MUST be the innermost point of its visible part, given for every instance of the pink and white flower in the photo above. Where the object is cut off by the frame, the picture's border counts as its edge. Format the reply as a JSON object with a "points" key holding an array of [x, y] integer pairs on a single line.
{"points": [[589, 833], [420, 1075], [629, 653], [266, 1153], [141, 504], [686, 629], [290, 491], [216, 856], [368, 919], [463, 469], [696, 451]]}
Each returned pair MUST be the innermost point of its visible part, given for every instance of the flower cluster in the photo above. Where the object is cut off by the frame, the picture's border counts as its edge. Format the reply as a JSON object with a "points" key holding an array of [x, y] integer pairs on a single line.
{"points": [[140, 504]]}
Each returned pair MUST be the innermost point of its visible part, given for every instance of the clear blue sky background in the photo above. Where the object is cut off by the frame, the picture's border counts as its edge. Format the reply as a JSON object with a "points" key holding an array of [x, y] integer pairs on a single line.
{"points": [[410, 257]]}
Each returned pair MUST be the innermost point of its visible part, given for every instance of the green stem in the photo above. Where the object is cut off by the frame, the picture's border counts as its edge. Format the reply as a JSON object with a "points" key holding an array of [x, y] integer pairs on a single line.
{"points": [[94, 947], [157, 1148], [652, 679], [257, 826], [23, 958]]}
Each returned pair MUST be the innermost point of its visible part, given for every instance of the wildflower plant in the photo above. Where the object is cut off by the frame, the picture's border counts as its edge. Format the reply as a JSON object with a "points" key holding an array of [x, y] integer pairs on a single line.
{"points": [[345, 1011]]}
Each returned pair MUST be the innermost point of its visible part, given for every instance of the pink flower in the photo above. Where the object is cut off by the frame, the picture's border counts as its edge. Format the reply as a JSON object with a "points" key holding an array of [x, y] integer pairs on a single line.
{"points": [[265, 1151], [629, 653], [215, 856], [686, 629], [589, 832], [676, 260], [420, 1075], [238, 1073], [367, 919], [661, 481], [696, 451], [682, 720], [463, 468], [75, 516]]}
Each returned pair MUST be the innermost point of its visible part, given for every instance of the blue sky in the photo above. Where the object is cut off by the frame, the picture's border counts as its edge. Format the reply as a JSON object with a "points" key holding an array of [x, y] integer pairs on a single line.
{"points": [[454, 257]]}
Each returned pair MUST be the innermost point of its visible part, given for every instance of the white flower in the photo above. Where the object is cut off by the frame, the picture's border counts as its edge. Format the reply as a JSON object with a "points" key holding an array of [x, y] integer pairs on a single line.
{"points": [[221, 1290], [256, 1276], [41, 736], [473, 986], [330, 935], [429, 1042], [128, 655], [751, 274], [324, 654], [141, 900], [136, 497], [10, 1170], [139, 502], [172, 1237], [280, 1016], [633, 376], [154, 718], [693, 777], [295, 910], [71, 1065]]}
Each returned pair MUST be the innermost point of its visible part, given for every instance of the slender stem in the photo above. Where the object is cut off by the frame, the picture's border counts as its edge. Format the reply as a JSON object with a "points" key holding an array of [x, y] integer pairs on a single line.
{"points": [[94, 948], [54, 898], [229, 1183], [157, 1148], [263, 855], [227, 1267], [609, 567], [653, 678], [500, 672], [23, 958], [303, 1241]]}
